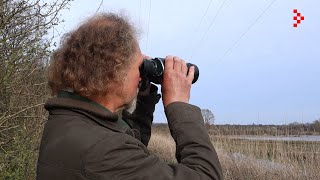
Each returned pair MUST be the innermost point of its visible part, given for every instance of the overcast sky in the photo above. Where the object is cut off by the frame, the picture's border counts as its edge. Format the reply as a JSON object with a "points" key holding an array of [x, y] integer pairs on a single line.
{"points": [[255, 67]]}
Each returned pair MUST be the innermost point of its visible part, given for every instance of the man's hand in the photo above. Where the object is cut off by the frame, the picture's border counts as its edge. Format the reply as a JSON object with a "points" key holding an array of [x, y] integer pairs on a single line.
{"points": [[176, 84]]}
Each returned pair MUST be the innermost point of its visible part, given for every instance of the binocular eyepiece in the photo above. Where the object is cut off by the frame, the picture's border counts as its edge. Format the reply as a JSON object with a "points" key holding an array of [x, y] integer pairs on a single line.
{"points": [[153, 70]]}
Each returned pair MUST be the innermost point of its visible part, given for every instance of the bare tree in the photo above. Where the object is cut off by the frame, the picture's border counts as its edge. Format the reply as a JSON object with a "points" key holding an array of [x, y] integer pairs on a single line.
{"points": [[316, 125], [24, 51], [208, 116]]}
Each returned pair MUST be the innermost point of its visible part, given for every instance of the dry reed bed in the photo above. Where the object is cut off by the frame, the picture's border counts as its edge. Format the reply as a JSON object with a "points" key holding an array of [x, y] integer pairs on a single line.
{"points": [[252, 159]]}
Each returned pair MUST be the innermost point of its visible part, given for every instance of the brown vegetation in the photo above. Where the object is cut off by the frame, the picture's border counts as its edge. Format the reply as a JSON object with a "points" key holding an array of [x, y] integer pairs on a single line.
{"points": [[251, 159]]}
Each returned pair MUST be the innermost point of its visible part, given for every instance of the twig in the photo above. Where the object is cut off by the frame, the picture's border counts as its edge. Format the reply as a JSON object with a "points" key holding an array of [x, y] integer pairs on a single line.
{"points": [[9, 128], [10, 116]]}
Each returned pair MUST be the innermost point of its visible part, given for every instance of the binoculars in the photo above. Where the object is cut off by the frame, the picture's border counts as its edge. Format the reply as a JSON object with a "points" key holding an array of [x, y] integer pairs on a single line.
{"points": [[152, 69]]}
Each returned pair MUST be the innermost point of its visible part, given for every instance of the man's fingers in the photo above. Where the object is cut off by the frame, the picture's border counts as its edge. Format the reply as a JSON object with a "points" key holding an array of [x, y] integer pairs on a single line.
{"points": [[176, 64], [184, 67], [168, 63], [190, 75]]}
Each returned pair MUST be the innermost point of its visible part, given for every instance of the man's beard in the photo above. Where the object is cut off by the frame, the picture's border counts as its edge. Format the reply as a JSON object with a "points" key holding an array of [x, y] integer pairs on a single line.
{"points": [[132, 105]]}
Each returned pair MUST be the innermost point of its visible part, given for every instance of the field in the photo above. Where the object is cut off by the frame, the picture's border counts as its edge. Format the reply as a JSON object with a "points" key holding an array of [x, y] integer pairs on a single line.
{"points": [[252, 159]]}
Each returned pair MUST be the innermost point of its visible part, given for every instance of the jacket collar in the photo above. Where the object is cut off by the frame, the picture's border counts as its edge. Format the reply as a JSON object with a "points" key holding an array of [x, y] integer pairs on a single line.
{"points": [[70, 103]]}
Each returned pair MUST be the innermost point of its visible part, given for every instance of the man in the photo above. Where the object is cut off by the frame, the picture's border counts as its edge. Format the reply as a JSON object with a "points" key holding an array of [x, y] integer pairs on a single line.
{"points": [[94, 130]]}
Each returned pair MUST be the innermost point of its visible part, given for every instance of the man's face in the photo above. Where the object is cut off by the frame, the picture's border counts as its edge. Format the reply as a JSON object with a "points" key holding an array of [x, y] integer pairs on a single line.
{"points": [[131, 82]]}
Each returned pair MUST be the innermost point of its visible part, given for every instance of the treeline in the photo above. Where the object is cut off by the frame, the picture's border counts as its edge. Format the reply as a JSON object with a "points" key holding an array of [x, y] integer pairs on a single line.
{"points": [[292, 129]]}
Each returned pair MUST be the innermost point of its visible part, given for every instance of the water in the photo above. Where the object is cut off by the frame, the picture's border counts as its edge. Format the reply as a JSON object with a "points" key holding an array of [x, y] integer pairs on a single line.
{"points": [[266, 164], [282, 138]]}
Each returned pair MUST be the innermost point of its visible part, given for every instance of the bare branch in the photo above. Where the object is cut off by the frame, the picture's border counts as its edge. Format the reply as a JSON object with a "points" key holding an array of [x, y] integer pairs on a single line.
{"points": [[3, 120]]}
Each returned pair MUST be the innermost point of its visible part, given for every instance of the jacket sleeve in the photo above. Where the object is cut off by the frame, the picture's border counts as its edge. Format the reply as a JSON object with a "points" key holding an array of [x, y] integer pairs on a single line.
{"points": [[141, 119], [123, 157]]}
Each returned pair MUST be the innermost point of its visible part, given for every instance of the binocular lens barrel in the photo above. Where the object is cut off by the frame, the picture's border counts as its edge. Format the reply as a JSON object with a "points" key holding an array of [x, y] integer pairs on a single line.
{"points": [[153, 70]]}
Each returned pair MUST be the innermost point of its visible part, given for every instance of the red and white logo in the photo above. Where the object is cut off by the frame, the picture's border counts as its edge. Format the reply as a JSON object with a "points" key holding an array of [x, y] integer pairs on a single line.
{"points": [[297, 18]]}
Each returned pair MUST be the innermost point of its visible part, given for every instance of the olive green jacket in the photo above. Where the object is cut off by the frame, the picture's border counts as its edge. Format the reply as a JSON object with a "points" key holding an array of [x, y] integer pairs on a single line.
{"points": [[84, 141]]}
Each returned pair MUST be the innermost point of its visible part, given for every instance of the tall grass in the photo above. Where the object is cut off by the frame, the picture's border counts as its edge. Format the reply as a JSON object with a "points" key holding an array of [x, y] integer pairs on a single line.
{"points": [[252, 159]]}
